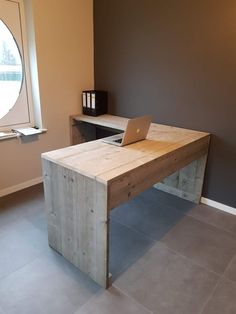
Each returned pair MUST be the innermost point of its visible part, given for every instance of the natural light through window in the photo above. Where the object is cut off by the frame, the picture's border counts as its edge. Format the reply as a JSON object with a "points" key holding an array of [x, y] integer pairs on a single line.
{"points": [[11, 71]]}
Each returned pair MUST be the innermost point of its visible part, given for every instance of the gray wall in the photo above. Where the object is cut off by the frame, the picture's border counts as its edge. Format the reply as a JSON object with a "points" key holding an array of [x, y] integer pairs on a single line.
{"points": [[175, 60]]}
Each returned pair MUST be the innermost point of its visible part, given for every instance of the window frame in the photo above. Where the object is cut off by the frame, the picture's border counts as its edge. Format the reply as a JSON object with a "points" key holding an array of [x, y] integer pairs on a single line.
{"points": [[26, 74]]}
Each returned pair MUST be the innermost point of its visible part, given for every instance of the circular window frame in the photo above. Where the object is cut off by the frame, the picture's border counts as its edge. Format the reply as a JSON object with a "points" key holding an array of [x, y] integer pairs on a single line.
{"points": [[22, 68]]}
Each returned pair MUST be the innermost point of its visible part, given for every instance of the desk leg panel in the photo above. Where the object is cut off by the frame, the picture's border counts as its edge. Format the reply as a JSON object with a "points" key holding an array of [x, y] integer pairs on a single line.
{"points": [[186, 183], [81, 132], [52, 205], [77, 219]]}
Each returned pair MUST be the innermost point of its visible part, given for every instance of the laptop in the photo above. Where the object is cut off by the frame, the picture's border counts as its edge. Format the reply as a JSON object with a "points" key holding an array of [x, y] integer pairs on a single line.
{"points": [[136, 130]]}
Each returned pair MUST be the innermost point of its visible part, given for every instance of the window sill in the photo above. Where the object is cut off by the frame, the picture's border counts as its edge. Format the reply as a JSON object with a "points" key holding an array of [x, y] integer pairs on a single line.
{"points": [[9, 135]]}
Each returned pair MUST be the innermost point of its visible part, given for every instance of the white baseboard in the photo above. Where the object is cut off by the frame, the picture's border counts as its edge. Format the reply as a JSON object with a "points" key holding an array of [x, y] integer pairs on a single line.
{"points": [[20, 186], [220, 206]]}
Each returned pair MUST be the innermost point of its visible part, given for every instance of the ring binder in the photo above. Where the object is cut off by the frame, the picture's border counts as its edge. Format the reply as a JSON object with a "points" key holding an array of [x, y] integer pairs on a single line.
{"points": [[94, 102]]}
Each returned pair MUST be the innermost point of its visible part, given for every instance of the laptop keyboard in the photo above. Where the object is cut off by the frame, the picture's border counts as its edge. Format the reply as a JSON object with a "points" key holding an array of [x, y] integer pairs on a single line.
{"points": [[118, 141]]}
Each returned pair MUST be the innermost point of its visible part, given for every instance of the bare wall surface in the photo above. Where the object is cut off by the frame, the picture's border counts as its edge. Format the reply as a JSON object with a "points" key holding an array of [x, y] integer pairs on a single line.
{"points": [[175, 60], [64, 46]]}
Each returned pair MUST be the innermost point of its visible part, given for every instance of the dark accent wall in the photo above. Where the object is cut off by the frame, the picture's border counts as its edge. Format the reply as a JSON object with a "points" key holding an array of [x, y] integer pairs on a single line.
{"points": [[176, 60]]}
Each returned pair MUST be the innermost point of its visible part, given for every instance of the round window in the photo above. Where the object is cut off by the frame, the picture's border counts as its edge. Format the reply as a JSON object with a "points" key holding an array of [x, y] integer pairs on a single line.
{"points": [[11, 70]]}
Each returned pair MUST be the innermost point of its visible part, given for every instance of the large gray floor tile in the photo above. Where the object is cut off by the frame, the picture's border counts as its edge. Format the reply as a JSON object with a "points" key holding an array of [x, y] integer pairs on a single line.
{"points": [[145, 214], [39, 222], [112, 301], [20, 243], [167, 199], [167, 283], [223, 299], [230, 271], [35, 279], [214, 217], [27, 204], [48, 285], [33, 209], [7, 216], [126, 246], [206, 245]]}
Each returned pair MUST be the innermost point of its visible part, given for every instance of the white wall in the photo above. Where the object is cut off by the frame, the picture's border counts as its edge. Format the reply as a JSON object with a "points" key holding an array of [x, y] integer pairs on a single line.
{"points": [[64, 46]]}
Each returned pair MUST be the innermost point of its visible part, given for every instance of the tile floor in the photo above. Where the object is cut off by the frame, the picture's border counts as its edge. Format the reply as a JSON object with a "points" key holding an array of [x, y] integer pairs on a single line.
{"points": [[167, 256]]}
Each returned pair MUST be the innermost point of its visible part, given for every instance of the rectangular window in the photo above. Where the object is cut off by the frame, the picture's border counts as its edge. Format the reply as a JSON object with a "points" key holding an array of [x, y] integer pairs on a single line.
{"points": [[15, 88]]}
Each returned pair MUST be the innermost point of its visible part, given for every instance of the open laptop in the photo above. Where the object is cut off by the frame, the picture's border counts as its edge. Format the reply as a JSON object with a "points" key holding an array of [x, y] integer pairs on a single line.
{"points": [[136, 130]]}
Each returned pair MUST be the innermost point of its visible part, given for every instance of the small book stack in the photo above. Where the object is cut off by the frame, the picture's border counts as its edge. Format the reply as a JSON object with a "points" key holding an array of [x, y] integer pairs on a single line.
{"points": [[94, 102]]}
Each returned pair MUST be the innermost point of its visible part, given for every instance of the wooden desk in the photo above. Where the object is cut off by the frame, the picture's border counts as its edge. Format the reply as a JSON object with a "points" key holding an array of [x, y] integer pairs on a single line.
{"points": [[84, 182]]}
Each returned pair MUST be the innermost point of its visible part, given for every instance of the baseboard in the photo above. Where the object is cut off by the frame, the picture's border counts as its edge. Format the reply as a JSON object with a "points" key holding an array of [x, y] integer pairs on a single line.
{"points": [[220, 206], [20, 186]]}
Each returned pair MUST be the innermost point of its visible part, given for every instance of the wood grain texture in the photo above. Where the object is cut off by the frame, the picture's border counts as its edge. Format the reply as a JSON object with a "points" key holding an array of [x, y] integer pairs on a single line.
{"points": [[147, 173], [77, 219], [83, 182], [106, 120], [187, 182], [113, 161]]}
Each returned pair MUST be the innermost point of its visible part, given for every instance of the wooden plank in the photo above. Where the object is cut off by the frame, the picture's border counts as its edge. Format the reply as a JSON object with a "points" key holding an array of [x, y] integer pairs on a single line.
{"points": [[77, 219], [119, 123], [186, 183], [114, 160], [106, 120], [154, 152], [124, 187], [52, 203]]}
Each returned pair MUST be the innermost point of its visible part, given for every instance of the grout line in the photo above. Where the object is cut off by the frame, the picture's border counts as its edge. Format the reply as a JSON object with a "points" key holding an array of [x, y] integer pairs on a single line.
{"points": [[191, 260], [228, 279], [176, 252], [102, 290], [171, 207], [212, 224], [25, 265], [210, 296], [149, 237], [133, 261], [220, 276], [136, 258], [89, 300], [229, 264], [134, 300], [135, 230], [153, 242]]}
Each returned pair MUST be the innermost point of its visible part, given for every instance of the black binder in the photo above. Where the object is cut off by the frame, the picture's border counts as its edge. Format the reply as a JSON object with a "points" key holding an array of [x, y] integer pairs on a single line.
{"points": [[94, 102]]}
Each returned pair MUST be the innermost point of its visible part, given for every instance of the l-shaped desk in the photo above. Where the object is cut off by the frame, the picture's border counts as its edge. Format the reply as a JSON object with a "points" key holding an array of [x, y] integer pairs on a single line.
{"points": [[84, 182]]}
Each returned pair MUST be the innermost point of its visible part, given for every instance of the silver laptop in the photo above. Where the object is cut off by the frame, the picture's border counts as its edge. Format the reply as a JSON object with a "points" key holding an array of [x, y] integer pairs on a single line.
{"points": [[136, 130]]}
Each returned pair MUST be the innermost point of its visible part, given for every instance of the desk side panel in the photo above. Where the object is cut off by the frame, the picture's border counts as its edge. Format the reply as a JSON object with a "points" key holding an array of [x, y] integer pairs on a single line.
{"points": [[131, 183], [81, 132], [77, 219], [187, 182]]}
